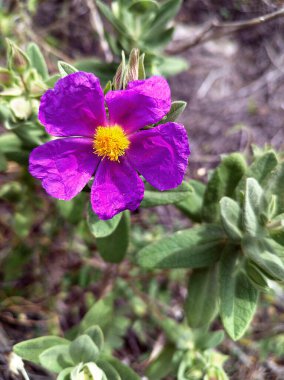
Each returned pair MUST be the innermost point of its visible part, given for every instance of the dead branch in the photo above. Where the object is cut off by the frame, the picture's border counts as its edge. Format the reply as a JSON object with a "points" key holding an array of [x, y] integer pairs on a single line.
{"points": [[216, 29]]}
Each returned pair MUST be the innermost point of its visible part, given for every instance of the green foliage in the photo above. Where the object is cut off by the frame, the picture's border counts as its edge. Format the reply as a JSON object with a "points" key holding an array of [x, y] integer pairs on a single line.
{"points": [[144, 25], [199, 308], [239, 241], [83, 356], [194, 248]]}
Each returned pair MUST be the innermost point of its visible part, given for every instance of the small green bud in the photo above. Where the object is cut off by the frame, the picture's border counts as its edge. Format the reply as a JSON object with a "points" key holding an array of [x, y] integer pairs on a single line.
{"points": [[21, 108], [5, 77], [16, 58]]}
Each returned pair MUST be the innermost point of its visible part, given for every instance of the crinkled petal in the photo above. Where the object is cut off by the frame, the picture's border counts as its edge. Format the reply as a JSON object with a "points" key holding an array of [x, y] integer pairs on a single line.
{"points": [[117, 187], [160, 155], [144, 102], [64, 166], [75, 107]]}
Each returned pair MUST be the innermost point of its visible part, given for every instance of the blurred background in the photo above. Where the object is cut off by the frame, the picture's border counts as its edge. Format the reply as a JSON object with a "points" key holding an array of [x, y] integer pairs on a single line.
{"points": [[232, 78]]}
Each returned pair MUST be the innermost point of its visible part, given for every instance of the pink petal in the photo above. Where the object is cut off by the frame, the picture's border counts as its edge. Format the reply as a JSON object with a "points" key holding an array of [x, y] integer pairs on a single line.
{"points": [[117, 187], [160, 154], [64, 166], [144, 102], [75, 107]]}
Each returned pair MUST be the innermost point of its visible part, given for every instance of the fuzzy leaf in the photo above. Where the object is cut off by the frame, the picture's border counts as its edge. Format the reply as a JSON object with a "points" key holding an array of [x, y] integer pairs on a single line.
{"points": [[177, 109], [262, 253], [109, 370], [167, 12], [102, 228], [65, 69], [153, 197], [193, 248], [96, 334], [114, 246], [253, 197], [31, 349], [83, 349], [142, 6], [231, 217], [238, 297], [125, 372], [56, 358], [222, 183], [37, 60], [192, 205], [99, 314], [201, 304]]}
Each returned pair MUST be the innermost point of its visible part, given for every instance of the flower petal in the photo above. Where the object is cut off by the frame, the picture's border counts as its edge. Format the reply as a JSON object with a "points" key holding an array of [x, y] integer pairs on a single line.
{"points": [[64, 166], [144, 102], [75, 107], [117, 187], [160, 155]]}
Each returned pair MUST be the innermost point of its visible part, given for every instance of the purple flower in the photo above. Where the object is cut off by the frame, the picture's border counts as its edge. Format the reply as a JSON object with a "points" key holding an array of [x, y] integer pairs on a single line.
{"points": [[112, 147]]}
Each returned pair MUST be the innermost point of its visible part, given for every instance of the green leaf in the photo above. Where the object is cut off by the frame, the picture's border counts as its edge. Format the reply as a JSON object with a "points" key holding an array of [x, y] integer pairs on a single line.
{"points": [[65, 69], [222, 183], [56, 358], [3, 162], [142, 6], [102, 228], [153, 197], [200, 309], [206, 340], [192, 205], [83, 349], [125, 372], [113, 247], [116, 23], [31, 349], [262, 167], [65, 374], [101, 69], [262, 252], [252, 203], [256, 275], [96, 334], [231, 217], [193, 248], [238, 297], [163, 365], [167, 12], [177, 109], [108, 87], [275, 185], [99, 314], [160, 40], [37, 60], [50, 82], [109, 370], [168, 66]]}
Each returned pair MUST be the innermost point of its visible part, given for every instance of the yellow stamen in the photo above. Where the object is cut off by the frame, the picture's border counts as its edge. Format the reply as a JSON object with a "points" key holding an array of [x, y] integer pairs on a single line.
{"points": [[110, 142]]}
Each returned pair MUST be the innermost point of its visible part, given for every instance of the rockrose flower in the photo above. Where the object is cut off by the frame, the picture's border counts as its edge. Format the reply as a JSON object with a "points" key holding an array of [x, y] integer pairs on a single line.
{"points": [[110, 145]]}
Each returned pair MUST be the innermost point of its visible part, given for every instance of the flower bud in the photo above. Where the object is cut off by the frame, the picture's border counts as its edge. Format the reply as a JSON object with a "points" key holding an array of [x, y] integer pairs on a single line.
{"points": [[17, 59], [89, 371], [21, 108], [5, 77]]}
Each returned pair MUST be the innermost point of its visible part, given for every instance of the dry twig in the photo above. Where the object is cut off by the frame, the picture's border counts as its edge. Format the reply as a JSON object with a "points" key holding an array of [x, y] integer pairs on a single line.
{"points": [[216, 29]]}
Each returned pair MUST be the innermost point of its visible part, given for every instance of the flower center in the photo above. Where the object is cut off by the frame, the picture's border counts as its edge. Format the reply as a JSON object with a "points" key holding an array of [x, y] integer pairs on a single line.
{"points": [[110, 142]]}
